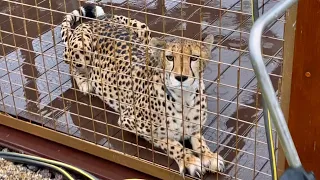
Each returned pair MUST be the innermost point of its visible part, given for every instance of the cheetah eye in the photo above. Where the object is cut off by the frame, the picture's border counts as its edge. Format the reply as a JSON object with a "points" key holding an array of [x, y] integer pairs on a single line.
{"points": [[194, 58], [170, 58]]}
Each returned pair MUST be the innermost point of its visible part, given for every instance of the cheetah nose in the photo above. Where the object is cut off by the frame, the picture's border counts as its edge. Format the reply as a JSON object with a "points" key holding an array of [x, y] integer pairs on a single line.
{"points": [[181, 78]]}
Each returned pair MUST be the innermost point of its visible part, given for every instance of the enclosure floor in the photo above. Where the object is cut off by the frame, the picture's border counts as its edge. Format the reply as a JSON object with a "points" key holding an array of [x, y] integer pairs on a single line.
{"points": [[36, 86]]}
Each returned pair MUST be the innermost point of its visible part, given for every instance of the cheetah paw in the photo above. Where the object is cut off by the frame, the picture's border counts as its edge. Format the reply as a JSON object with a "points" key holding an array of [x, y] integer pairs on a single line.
{"points": [[85, 87], [212, 164], [192, 164]]}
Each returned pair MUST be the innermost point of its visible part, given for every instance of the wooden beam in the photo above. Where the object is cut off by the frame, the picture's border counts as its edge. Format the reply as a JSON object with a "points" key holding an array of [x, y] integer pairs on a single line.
{"points": [[289, 36], [304, 120], [35, 145]]}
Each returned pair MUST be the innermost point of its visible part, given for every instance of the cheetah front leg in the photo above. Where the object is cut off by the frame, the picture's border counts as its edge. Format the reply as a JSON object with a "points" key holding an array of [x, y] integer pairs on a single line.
{"points": [[82, 81], [213, 161], [184, 157]]}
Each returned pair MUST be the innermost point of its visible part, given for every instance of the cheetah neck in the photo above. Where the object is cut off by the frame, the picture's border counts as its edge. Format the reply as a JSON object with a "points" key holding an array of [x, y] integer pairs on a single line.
{"points": [[186, 96]]}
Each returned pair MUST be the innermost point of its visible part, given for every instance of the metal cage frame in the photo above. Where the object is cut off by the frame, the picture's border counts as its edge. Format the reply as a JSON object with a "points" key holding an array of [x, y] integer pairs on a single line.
{"points": [[152, 168]]}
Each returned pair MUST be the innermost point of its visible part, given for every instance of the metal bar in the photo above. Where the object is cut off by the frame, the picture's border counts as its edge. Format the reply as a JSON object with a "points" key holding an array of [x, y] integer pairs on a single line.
{"points": [[267, 127], [265, 82], [255, 12], [255, 9]]}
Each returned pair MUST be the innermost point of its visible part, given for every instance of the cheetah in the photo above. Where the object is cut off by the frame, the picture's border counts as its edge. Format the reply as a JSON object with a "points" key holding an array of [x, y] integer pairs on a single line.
{"points": [[156, 90]]}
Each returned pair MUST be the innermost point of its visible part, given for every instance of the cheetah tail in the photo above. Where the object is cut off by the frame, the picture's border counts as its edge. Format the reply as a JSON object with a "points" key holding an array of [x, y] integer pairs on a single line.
{"points": [[88, 10]]}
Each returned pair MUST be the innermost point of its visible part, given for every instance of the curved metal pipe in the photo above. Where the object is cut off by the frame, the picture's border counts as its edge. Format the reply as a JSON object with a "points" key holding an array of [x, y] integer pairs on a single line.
{"points": [[268, 92]]}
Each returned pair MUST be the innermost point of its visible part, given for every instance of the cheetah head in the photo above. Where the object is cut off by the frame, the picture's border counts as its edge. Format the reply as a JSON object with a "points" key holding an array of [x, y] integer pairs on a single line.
{"points": [[184, 61]]}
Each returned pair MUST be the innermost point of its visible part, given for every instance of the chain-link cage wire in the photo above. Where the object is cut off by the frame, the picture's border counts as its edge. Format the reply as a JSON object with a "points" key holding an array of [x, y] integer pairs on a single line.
{"points": [[36, 84]]}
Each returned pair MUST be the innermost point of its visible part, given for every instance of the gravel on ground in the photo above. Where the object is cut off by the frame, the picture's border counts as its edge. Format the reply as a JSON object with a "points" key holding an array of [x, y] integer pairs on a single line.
{"points": [[10, 171], [17, 171]]}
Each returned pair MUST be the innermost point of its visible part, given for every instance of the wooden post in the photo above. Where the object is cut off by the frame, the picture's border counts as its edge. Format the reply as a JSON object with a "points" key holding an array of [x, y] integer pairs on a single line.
{"points": [[289, 36], [304, 117]]}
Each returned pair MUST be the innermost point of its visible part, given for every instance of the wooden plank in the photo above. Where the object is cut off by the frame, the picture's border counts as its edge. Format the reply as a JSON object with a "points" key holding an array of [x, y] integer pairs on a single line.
{"points": [[285, 90], [101, 168], [304, 121]]}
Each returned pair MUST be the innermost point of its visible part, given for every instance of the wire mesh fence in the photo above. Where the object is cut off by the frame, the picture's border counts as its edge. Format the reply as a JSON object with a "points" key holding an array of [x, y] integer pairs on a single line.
{"points": [[39, 87]]}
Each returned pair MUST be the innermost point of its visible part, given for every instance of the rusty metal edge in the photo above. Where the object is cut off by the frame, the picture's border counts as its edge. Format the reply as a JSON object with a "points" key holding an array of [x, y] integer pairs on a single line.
{"points": [[90, 148]]}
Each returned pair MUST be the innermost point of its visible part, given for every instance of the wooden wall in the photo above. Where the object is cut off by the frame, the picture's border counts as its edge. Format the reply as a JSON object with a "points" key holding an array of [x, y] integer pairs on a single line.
{"points": [[304, 112]]}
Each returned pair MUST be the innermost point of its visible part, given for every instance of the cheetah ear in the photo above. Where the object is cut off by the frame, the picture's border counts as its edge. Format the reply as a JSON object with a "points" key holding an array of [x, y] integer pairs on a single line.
{"points": [[157, 46], [157, 42], [209, 39]]}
